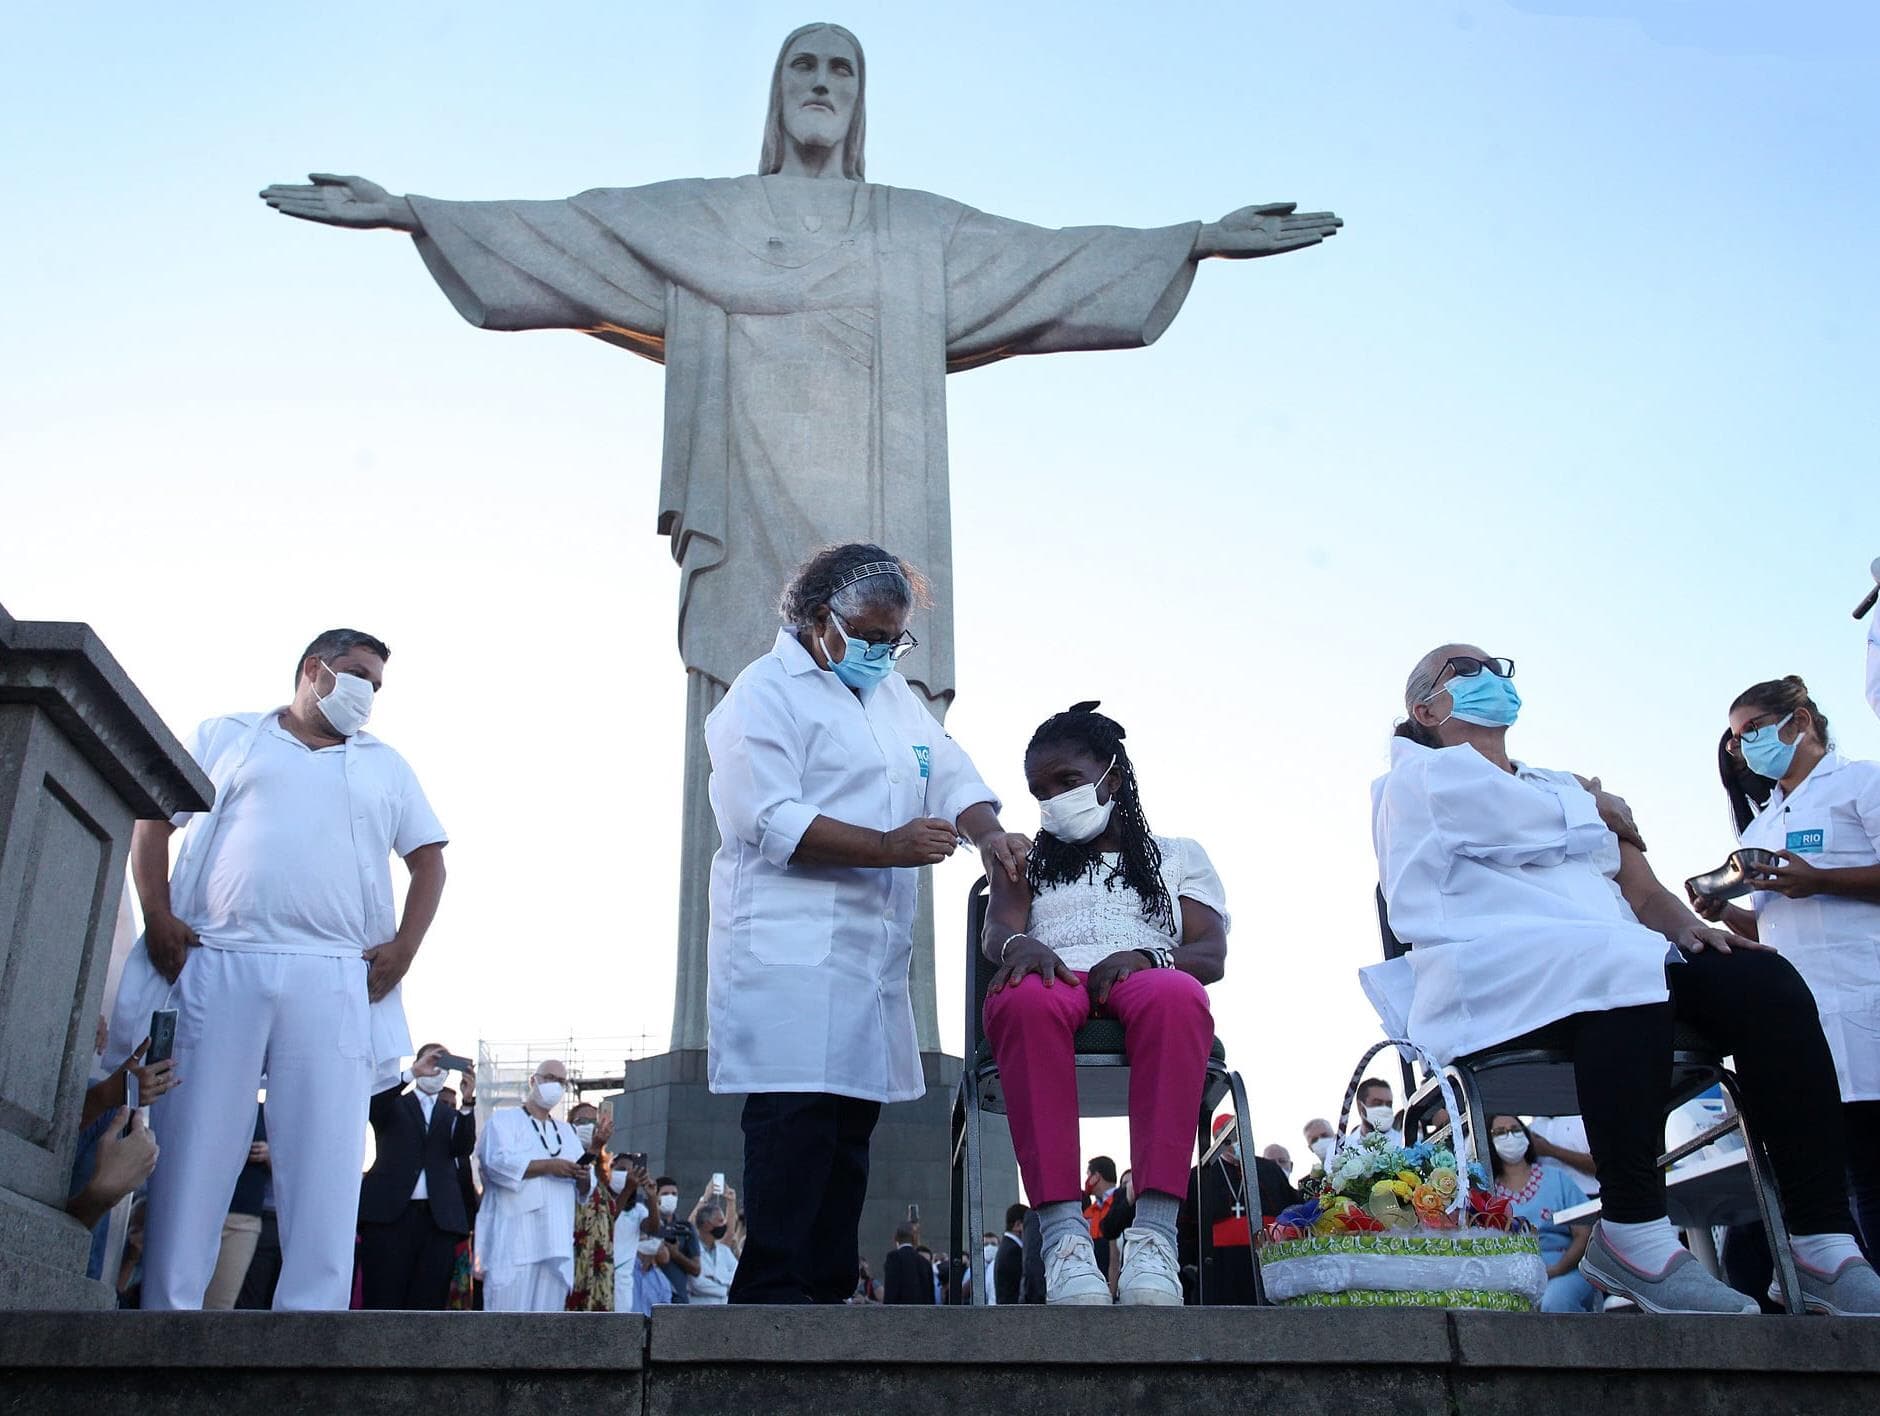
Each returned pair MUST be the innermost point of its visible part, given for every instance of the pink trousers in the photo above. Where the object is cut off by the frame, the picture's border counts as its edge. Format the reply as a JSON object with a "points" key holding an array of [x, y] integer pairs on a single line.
{"points": [[1167, 1029]]}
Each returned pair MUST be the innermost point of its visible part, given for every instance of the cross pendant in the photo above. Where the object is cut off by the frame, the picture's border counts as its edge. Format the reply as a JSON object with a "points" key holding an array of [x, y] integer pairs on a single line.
{"points": [[1240, 1210]]}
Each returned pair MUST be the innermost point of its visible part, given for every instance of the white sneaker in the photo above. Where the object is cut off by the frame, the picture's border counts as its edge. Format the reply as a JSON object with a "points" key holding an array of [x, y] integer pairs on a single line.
{"points": [[1070, 1274], [1150, 1277]]}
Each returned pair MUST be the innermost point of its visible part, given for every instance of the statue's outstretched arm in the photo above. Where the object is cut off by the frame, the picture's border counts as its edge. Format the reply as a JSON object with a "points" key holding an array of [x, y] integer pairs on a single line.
{"points": [[1267, 230], [333, 200]]}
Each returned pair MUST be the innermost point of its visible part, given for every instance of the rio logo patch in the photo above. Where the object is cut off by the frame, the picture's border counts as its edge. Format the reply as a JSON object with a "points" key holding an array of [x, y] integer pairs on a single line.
{"points": [[924, 756], [1806, 842]]}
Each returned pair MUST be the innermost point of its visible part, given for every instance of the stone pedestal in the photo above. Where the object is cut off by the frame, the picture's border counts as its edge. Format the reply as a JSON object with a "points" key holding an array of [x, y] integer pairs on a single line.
{"points": [[688, 1133], [82, 755]]}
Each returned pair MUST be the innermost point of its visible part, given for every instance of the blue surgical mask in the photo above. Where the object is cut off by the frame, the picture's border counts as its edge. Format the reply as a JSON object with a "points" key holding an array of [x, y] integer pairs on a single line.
{"points": [[1485, 699], [853, 669], [1767, 754]]}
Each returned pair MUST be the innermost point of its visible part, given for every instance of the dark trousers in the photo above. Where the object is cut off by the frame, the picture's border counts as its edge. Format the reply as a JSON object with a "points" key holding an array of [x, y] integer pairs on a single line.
{"points": [[264, 1269], [1755, 1008], [1861, 1121], [805, 1178], [407, 1262]]}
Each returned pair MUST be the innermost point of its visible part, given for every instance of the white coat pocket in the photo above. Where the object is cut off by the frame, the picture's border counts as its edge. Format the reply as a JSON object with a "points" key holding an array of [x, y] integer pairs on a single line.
{"points": [[793, 917]]}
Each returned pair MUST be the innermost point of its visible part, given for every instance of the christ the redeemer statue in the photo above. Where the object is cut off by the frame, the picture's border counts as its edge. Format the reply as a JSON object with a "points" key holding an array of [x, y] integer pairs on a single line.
{"points": [[807, 320]]}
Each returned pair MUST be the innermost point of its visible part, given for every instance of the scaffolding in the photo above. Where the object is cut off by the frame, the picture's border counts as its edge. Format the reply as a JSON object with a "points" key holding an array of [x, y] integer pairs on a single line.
{"points": [[595, 1064]]}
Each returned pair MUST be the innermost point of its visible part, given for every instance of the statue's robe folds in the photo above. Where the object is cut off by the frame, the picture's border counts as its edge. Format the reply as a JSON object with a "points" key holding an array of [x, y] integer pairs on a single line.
{"points": [[805, 380]]}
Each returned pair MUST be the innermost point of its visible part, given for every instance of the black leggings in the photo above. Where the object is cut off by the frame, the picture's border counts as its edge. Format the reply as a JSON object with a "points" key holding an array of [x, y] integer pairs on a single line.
{"points": [[1754, 1007]]}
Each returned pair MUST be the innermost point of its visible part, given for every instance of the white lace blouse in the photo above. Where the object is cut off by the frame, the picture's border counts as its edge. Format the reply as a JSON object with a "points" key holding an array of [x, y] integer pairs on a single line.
{"points": [[1087, 921]]}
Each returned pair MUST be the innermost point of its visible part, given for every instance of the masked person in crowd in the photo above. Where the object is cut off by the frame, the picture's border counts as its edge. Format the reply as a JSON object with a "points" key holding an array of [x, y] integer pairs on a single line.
{"points": [[717, 1248], [1321, 1140], [275, 940], [1376, 1115], [680, 1238], [411, 1210], [1819, 904], [1537, 1192], [647, 1276], [832, 785], [1114, 921], [594, 1274], [532, 1180], [1530, 910]]}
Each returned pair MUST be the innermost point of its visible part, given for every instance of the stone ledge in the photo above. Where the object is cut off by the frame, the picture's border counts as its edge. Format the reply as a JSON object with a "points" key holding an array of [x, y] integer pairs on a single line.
{"points": [[1047, 1337], [1681, 1344], [475, 1342], [64, 670]]}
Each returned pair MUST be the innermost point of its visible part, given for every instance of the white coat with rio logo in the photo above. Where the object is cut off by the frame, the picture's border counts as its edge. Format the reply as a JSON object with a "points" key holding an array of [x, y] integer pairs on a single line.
{"points": [[809, 964]]}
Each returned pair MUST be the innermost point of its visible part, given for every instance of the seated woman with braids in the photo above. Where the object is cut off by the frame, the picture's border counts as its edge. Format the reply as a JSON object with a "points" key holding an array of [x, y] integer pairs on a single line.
{"points": [[1110, 921]]}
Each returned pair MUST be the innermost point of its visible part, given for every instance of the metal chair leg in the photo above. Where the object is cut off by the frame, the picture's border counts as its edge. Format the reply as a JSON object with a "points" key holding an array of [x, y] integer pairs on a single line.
{"points": [[956, 1189], [1768, 1201], [1243, 1115], [1203, 1248], [975, 1192], [1464, 1080]]}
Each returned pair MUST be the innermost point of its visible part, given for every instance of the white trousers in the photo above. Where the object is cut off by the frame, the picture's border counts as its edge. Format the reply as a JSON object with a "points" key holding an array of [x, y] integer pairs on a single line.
{"points": [[530, 1288], [301, 1020]]}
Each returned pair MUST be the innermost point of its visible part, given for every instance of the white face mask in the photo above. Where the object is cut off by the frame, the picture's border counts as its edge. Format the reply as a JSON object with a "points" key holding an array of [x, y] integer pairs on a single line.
{"points": [[584, 1133], [668, 1205], [348, 705], [992, 1252], [1513, 1146], [1380, 1117], [1077, 816], [547, 1094], [1323, 1148], [430, 1086]]}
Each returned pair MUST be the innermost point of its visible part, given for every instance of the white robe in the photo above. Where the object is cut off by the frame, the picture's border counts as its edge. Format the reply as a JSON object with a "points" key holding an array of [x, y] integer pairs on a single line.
{"points": [[525, 1222], [1505, 888]]}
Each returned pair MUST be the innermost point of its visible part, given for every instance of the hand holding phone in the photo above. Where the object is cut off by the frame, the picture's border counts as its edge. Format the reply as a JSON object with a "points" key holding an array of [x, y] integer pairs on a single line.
{"points": [[162, 1037]]}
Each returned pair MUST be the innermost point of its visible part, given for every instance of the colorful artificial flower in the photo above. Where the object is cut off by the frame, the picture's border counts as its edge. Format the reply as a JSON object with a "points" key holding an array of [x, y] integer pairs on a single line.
{"points": [[1356, 1221], [1301, 1216], [1443, 1181], [1388, 1205], [1432, 1210], [1491, 1211]]}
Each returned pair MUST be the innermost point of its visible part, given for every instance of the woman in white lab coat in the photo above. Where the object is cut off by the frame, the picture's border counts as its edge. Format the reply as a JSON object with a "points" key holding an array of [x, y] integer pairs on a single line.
{"points": [[1820, 905], [1529, 908], [832, 785]]}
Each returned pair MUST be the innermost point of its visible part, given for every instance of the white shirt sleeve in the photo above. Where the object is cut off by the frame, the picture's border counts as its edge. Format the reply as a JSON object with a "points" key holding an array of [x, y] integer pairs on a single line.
{"points": [[417, 824], [501, 1156], [758, 757], [955, 786], [202, 746], [1478, 810], [1200, 881]]}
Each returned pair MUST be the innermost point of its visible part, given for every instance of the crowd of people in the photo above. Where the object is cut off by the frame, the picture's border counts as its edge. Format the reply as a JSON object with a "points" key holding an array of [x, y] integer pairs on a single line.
{"points": [[1524, 894]]}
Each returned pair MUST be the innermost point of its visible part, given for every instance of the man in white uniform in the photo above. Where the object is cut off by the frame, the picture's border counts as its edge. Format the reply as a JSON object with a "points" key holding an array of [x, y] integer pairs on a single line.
{"points": [[275, 933], [532, 1176]]}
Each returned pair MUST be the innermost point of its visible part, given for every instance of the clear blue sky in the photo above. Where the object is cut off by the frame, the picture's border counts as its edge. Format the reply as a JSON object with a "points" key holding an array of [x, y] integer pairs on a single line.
{"points": [[1587, 379]]}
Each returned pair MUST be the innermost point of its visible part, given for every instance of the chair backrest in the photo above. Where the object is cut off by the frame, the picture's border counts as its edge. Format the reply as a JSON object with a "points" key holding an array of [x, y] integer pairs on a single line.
{"points": [[1394, 948], [979, 972]]}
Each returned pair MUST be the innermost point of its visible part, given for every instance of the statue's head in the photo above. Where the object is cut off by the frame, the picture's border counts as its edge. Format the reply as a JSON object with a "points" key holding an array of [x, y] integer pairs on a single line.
{"points": [[817, 96]]}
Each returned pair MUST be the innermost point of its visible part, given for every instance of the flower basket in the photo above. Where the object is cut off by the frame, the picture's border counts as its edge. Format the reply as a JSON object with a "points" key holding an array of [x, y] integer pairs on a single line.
{"points": [[1391, 1226]]}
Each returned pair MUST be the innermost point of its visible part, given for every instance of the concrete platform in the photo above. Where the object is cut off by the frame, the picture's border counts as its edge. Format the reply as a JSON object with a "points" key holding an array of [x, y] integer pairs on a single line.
{"points": [[931, 1362]]}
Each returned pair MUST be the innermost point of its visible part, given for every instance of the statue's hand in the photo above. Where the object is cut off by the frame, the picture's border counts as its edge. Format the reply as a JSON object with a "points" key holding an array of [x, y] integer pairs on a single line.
{"points": [[1264, 231], [342, 201]]}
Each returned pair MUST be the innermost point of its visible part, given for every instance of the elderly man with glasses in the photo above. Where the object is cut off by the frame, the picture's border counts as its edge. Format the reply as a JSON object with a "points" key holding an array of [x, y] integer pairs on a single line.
{"points": [[533, 1173]]}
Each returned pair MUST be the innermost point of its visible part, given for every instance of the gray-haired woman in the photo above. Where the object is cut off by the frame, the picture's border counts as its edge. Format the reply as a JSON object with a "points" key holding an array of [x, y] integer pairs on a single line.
{"points": [[832, 784]]}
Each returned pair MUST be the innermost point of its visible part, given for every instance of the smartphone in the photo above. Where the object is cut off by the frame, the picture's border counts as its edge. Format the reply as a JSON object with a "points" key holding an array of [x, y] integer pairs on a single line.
{"points": [[913, 1214], [451, 1062], [718, 1182], [588, 1157], [634, 1160], [162, 1037]]}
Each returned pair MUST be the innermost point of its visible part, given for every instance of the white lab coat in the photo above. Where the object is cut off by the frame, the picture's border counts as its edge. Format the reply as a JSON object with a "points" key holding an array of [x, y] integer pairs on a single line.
{"points": [[1505, 889], [1833, 822], [809, 964]]}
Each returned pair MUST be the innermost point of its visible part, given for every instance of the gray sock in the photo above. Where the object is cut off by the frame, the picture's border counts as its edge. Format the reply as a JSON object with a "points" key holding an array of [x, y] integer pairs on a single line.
{"points": [[1157, 1211], [1057, 1220]]}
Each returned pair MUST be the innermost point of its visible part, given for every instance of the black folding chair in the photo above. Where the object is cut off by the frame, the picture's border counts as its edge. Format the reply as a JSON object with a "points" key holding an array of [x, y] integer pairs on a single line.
{"points": [[1533, 1075], [1102, 1090]]}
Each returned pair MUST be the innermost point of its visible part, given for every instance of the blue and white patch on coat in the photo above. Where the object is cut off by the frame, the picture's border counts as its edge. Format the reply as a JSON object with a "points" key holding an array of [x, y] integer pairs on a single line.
{"points": [[924, 756]]}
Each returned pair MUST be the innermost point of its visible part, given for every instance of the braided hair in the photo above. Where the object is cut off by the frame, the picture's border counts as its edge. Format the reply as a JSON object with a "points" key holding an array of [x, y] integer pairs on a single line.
{"points": [[1139, 865]]}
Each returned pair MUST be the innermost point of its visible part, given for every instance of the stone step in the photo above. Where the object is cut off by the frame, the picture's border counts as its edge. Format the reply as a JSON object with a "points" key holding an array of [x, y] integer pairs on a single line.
{"points": [[929, 1362]]}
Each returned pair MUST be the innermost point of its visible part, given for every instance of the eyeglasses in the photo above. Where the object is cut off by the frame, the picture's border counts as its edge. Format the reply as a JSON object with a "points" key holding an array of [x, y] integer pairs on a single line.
{"points": [[1468, 666], [1735, 741], [894, 649]]}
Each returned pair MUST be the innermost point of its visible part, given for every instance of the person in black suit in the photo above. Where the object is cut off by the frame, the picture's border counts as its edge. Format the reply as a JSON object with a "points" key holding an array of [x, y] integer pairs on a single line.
{"points": [[411, 1209], [1008, 1265], [908, 1278]]}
